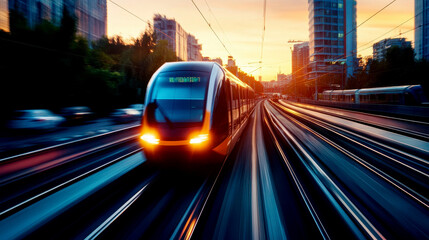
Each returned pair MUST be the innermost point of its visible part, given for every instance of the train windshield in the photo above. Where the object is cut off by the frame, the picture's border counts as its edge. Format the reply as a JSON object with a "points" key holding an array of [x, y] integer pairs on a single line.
{"points": [[178, 97]]}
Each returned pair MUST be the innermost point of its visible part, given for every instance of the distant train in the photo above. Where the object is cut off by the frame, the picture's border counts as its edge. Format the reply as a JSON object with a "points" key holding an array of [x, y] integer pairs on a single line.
{"points": [[402, 95], [195, 111]]}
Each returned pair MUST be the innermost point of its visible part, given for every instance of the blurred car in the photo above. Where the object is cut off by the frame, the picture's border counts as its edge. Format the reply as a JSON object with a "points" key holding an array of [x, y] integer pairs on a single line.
{"points": [[34, 119], [77, 114], [138, 106], [125, 115]]}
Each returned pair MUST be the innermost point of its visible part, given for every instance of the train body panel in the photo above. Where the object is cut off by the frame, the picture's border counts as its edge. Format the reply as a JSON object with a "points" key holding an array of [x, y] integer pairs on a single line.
{"points": [[194, 110], [399, 95]]}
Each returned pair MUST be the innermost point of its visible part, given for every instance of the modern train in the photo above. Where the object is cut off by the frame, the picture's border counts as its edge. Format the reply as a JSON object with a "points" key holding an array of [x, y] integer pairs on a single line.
{"points": [[402, 95], [195, 111]]}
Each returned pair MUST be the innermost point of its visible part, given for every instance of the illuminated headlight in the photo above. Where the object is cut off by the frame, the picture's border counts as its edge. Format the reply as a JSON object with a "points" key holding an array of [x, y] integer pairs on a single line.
{"points": [[199, 139], [149, 138]]}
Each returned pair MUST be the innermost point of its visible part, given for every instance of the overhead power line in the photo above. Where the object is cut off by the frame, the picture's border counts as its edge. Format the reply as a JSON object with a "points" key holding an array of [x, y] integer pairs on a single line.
{"points": [[263, 30], [366, 20], [141, 19], [354, 29], [217, 22], [205, 19]]}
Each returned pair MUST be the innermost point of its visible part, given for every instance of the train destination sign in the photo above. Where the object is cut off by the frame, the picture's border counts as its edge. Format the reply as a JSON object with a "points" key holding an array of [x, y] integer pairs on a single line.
{"points": [[184, 79]]}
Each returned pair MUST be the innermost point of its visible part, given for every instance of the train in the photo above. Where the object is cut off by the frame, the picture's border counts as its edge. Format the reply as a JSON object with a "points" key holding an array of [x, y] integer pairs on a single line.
{"points": [[194, 112], [396, 95]]}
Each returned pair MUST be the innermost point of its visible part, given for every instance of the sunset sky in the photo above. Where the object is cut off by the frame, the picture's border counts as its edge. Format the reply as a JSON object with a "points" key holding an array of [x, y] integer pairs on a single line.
{"points": [[239, 24]]}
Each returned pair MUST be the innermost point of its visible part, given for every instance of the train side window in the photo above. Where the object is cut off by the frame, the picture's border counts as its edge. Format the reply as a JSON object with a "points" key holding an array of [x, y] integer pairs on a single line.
{"points": [[235, 106], [228, 96], [221, 125]]}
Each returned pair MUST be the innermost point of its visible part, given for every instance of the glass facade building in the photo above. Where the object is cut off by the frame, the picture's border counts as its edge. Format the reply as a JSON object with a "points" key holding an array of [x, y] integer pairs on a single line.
{"points": [[91, 14], [332, 27], [421, 33]]}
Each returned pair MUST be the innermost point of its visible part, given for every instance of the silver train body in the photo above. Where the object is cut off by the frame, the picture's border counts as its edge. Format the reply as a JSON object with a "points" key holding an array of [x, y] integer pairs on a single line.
{"points": [[195, 111], [397, 95]]}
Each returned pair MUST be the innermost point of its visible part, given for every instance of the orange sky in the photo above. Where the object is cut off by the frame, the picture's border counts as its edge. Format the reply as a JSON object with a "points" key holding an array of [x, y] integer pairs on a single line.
{"points": [[239, 25]]}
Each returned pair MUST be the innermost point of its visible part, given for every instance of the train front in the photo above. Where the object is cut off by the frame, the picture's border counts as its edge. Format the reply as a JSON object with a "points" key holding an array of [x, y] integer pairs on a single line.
{"points": [[175, 125]]}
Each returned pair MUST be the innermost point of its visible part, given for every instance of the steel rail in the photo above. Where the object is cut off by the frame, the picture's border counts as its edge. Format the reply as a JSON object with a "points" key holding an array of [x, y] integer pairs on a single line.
{"points": [[407, 132], [298, 184], [335, 195], [420, 160], [94, 234], [386, 177], [68, 158], [64, 184], [66, 144]]}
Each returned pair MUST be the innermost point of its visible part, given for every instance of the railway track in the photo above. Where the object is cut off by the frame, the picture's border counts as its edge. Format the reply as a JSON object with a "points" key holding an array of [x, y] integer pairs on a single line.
{"points": [[293, 174], [358, 173]]}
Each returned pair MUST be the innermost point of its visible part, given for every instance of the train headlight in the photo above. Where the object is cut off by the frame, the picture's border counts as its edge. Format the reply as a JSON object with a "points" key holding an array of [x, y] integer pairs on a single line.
{"points": [[150, 138], [199, 139]]}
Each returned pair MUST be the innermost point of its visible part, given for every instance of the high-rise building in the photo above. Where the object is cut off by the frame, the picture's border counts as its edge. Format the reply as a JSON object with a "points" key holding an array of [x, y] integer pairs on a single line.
{"points": [[332, 25], [380, 48], [300, 61], [92, 18], [4, 16], [194, 49], [91, 15], [170, 30], [421, 32]]}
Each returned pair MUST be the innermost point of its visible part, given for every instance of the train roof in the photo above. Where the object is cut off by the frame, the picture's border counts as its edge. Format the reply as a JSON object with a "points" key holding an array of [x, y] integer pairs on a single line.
{"points": [[337, 92], [200, 66], [393, 89], [188, 66]]}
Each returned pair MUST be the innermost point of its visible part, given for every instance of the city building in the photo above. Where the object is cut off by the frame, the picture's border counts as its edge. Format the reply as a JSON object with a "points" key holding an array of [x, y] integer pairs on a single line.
{"points": [[231, 62], [170, 30], [217, 60], [421, 32], [300, 61], [91, 15], [333, 40], [194, 49], [92, 18], [271, 86], [283, 79], [4, 16], [380, 48]]}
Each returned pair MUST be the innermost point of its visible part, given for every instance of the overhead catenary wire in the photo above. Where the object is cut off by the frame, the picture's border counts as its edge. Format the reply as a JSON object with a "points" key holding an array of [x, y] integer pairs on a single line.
{"points": [[141, 19], [307, 80], [366, 20], [217, 22], [263, 35], [214, 32], [354, 29]]}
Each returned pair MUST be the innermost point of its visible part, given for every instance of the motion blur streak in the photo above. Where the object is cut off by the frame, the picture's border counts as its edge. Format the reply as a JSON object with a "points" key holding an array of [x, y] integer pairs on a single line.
{"points": [[197, 196], [273, 223], [342, 203], [27, 220], [255, 199], [371, 131], [115, 215]]}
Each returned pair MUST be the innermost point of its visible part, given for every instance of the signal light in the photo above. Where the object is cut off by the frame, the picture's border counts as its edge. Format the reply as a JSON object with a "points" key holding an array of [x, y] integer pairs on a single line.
{"points": [[199, 139], [150, 138]]}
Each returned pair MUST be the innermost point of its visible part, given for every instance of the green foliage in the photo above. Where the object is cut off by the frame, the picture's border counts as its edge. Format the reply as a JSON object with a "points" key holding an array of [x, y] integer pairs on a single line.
{"points": [[51, 67], [250, 80], [398, 67]]}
